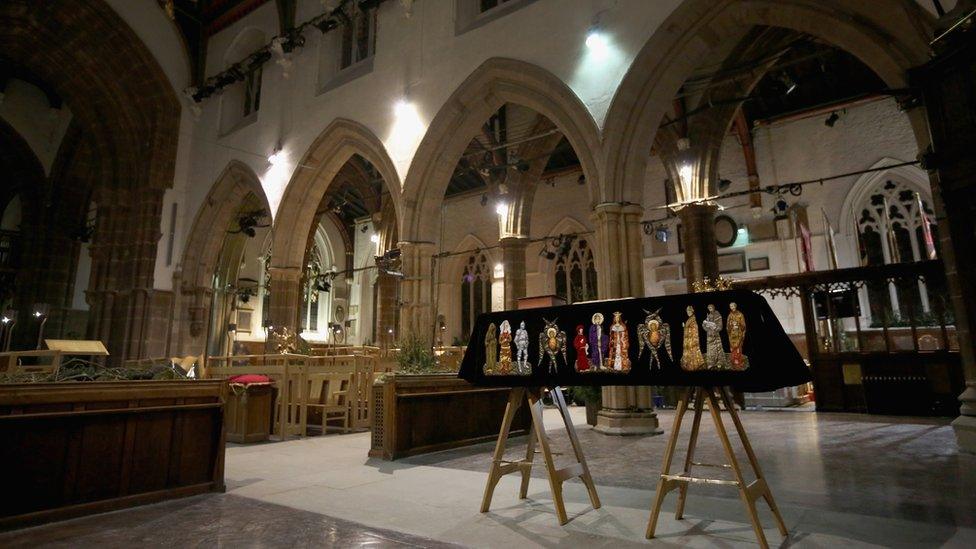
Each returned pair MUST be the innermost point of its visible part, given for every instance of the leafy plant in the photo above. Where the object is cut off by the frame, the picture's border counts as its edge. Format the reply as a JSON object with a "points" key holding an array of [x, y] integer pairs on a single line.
{"points": [[588, 393], [415, 356]]}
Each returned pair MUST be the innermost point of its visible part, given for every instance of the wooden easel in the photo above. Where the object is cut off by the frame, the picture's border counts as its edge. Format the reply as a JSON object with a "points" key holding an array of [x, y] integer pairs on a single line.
{"points": [[537, 433], [748, 492]]}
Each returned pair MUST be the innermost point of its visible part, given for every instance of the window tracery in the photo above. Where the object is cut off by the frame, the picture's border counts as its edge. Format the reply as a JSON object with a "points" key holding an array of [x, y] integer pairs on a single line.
{"points": [[475, 290], [576, 273]]}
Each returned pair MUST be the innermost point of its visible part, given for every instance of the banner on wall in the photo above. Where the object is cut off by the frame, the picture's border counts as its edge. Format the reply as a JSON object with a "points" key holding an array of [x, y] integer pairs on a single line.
{"points": [[726, 338]]}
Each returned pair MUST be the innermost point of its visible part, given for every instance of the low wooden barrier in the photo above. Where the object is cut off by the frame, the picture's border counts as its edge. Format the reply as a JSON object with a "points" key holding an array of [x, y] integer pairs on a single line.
{"points": [[72, 449], [410, 414], [41, 361], [295, 378]]}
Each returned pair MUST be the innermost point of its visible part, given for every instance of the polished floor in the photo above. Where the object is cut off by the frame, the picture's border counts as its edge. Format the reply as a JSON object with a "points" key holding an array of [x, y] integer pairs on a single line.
{"points": [[840, 480]]}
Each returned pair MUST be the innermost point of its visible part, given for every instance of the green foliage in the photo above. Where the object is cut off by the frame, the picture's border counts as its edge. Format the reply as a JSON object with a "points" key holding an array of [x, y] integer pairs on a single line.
{"points": [[415, 356], [82, 370], [588, 393]]}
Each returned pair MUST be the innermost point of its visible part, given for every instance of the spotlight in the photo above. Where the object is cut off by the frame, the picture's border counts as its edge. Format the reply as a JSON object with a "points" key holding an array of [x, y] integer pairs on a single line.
{"points": [[662, 233], [780, 207], [685, 172], [326, 25], [275, 157], [832, 119], [501, 209], [724, 184], [788, 83], [363, 229], [596, 41], [323, 285], [374, 238]]}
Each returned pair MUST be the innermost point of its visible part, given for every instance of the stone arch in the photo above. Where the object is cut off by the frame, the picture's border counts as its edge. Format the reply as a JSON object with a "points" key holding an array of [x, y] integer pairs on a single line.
{"points": [[315, 174], [206, 236], [889, 36], [496, 82]]}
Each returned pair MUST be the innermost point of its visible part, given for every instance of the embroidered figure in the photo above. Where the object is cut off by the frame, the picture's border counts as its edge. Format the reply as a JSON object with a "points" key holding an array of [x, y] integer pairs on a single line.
{"points": [[691, 355], [715, 358], [552, 341], [505, 352], [522, 366], [618, 360], [582, 350], [491, 349], [736, 328], [599, 343], [651, 334]]}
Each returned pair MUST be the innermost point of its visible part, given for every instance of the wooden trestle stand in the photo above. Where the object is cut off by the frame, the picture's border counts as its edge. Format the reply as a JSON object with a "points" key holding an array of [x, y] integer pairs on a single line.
{"points": [[748, 492], [537, 433]]}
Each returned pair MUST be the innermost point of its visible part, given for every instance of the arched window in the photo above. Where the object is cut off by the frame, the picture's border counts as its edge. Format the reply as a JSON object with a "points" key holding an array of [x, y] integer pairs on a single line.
{"points": [[896, 237], [475, 290], [576, 273]]}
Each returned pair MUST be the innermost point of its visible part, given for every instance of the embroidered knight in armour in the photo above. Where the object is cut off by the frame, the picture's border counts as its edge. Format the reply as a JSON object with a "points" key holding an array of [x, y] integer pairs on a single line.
{"points": [[522, 366]]}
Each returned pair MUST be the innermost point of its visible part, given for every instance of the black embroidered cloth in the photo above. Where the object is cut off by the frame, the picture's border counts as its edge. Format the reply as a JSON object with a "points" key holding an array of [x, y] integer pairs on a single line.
{"points": [[735, 340]]}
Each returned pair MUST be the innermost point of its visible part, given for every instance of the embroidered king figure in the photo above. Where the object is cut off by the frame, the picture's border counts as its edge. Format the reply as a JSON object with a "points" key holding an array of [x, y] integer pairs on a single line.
{"points": [[618, 360]]}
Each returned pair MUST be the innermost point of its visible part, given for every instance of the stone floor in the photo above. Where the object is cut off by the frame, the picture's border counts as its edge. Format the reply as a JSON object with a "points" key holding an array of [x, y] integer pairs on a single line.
{"points": [[840, 480]]}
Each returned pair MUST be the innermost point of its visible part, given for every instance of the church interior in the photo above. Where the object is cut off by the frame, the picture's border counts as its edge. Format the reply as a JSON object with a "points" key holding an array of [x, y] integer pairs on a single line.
{"points": [[269, 272]]}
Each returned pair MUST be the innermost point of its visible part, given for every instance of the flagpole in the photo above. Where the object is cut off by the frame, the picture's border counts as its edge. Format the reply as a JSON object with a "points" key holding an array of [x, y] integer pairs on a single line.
{"points": [[893, 255], [926, 227], [829, 240], [861, 260]]}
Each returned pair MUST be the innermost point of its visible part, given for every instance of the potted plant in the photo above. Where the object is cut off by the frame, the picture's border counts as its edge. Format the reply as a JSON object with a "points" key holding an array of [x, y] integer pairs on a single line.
{"points": [[592, 398]]}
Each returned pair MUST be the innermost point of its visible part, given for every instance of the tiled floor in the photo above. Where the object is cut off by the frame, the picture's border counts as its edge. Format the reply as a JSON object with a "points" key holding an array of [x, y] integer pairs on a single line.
{"points": [[840, 480]]}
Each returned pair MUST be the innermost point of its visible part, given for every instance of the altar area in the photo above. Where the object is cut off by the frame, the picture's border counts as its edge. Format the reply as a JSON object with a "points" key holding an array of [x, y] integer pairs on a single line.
{"points": [[840, 480]]}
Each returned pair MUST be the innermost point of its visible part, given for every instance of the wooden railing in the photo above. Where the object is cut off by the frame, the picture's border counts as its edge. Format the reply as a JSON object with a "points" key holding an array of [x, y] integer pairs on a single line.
{"points": [[905, 361], [298, 379]]}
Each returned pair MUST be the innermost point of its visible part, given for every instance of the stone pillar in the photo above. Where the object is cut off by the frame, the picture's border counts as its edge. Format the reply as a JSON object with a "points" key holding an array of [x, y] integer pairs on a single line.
{"points": [[286, 297], [415, 289], [698, 238], [387, 331], [513, 260], [625, 410]]}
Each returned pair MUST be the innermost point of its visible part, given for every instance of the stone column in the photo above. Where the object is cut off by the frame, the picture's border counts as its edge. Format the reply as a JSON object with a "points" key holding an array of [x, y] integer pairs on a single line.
{"points": [[387, 331], [415, 289], [513, 260], [698, 238], [286, 297], [626, 410]]}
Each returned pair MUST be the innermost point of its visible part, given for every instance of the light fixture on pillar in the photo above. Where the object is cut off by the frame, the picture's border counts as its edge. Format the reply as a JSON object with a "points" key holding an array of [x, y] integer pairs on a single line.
{"points": [[723, 185], [501, 209], [276, 156], [374, 238], [41, 311], [596, 39], [832, 119]]}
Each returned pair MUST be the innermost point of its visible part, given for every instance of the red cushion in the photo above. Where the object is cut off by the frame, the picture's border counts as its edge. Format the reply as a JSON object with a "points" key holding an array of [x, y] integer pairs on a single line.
{"points": [[249, 379]]}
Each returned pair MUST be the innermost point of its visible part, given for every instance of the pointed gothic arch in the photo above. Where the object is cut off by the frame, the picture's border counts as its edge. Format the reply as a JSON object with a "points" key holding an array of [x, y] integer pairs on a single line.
{"points": [[889, 36], [312, 178], [496, 82]]}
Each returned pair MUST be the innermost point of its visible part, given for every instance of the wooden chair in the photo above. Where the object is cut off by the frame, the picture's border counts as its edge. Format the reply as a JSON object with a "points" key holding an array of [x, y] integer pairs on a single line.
{"points": [[329, 393]]}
